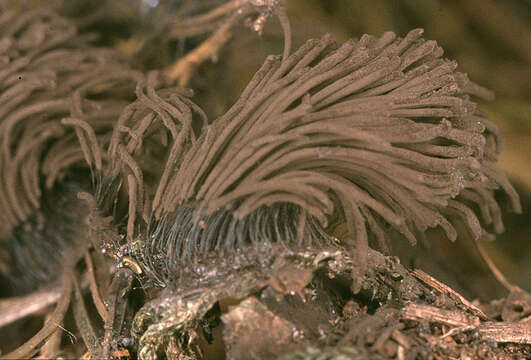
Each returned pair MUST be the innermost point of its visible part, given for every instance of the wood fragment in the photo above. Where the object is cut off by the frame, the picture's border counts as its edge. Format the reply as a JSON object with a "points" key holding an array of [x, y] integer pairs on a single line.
{"points": [[446, 290], [183, 69], [506, 332], [400, 353], [433, 314], [458, 330]]}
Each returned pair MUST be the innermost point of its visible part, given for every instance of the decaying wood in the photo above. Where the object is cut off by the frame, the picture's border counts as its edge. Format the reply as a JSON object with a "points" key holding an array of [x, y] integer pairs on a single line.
{"points": [[446, 290], [516, 332], [506, 332]]}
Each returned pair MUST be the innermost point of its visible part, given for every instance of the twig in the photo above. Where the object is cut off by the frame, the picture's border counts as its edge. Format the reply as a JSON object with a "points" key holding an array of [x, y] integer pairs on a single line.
{"points": [[449, 317], [183, 69], [458, 330], [504, 332], [446, 290], [132, 189], [71, 336]]}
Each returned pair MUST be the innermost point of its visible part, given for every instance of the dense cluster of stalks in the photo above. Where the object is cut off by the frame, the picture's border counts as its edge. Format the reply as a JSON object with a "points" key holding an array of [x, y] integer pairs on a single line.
{"points": [[159, 125], [53, 85], [379, 133]]}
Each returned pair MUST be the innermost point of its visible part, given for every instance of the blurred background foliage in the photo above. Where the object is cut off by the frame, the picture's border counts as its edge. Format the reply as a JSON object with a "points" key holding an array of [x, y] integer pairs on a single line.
{"points": [[490, 39]]}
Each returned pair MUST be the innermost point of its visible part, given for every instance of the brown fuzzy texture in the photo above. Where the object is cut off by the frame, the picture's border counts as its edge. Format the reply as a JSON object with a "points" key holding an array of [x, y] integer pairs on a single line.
{"points": [[380, 132], [65, 110], [49, 74], [59, 100], [159, 126]]}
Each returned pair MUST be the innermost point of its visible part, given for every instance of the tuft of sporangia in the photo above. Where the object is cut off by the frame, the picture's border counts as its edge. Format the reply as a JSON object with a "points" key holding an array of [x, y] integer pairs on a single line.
{"points": [[379, 132], [55, 88]]}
